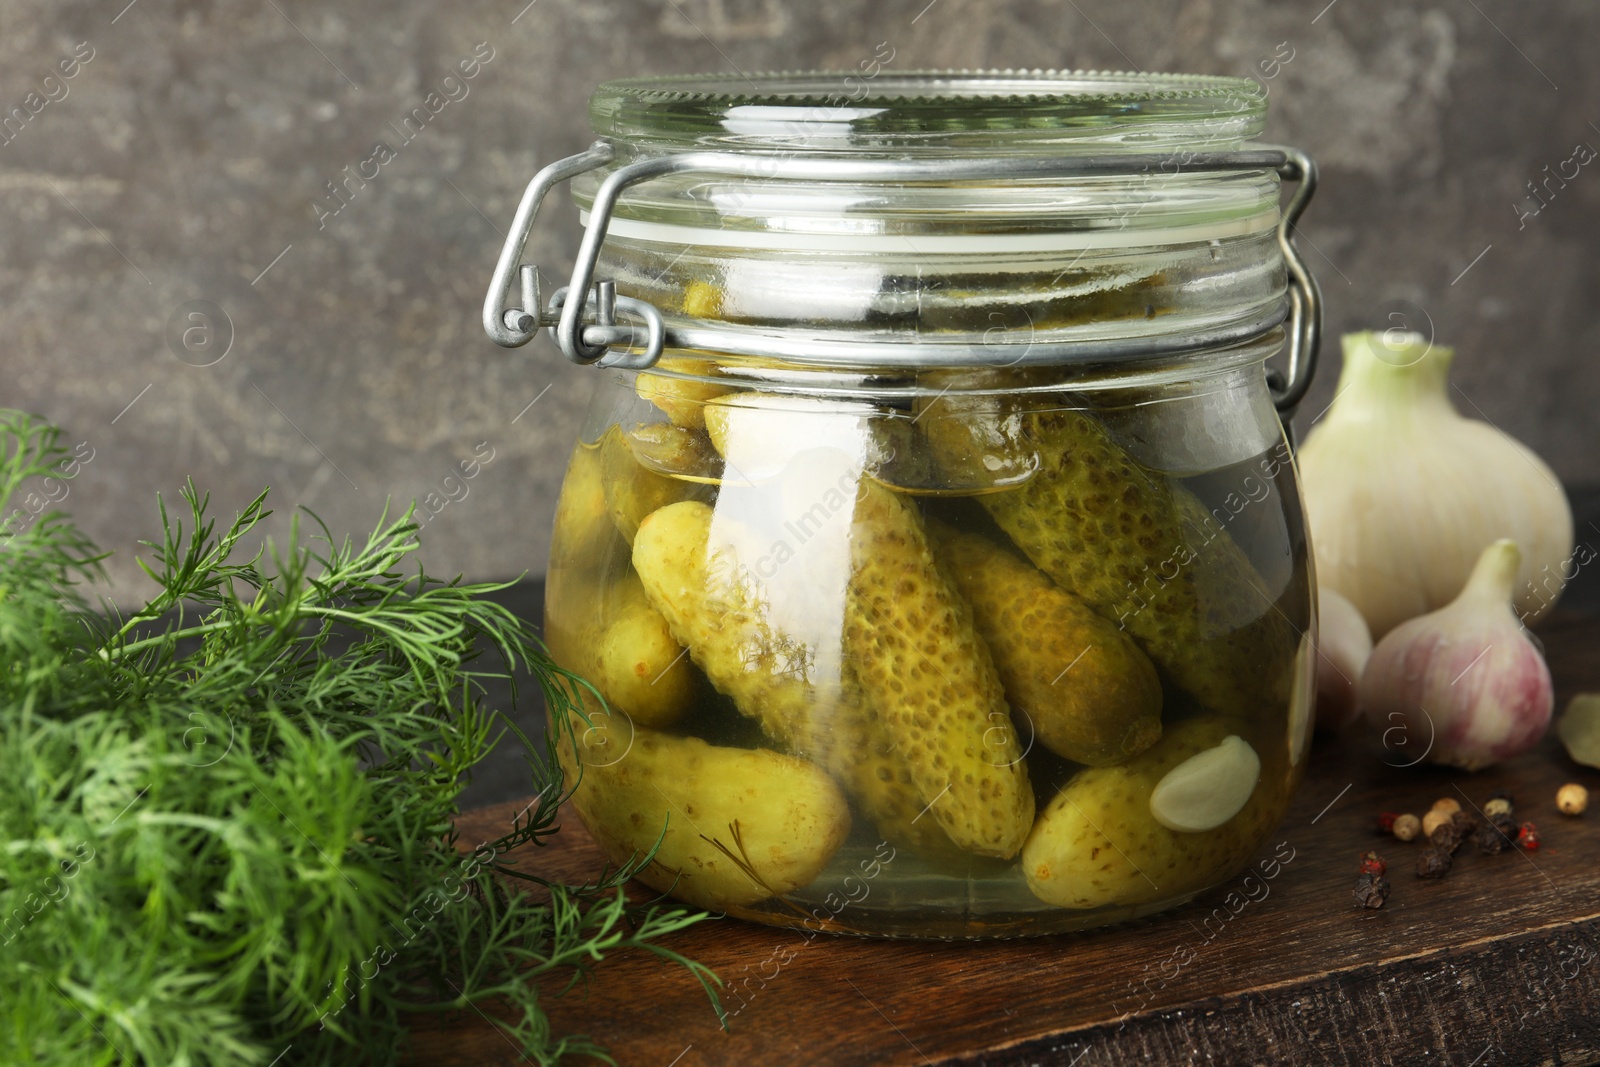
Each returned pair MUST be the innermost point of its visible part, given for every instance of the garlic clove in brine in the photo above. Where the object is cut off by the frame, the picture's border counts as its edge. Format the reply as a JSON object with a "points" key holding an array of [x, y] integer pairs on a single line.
{"points": [[1464, 684]]}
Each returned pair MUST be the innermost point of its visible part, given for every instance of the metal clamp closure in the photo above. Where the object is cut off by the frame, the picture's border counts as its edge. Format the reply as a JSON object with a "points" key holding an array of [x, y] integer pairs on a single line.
{"points": [[515, 326], [587, 330], [1305, 295]]}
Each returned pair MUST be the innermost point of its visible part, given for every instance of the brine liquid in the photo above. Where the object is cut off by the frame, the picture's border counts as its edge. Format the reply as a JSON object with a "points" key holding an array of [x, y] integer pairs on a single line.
{"points": [[870, 885]]}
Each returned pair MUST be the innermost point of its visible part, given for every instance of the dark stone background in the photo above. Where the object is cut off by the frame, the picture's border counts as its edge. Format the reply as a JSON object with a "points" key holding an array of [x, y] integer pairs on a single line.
{"points": [[186, 156]]}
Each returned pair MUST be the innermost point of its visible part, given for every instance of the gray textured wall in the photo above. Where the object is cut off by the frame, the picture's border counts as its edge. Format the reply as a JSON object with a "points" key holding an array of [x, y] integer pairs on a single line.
{"points": [[184, 158]]}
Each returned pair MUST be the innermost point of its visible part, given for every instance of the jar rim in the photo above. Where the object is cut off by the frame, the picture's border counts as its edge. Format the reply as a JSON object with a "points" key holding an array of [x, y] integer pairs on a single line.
{"points": [[1097, 111]]}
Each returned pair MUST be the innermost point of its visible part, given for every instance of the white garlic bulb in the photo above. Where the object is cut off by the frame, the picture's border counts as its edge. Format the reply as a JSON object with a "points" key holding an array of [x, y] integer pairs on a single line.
{"points": [[1402, 493]]}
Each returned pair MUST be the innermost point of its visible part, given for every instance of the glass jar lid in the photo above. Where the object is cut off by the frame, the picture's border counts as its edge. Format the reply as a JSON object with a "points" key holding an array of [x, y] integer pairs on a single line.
{"points": [[931, 111], [788, 121]]}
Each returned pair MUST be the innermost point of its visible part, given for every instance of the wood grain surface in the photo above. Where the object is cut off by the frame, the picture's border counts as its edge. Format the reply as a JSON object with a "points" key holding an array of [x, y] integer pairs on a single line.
{"points": [[1498, 963]]}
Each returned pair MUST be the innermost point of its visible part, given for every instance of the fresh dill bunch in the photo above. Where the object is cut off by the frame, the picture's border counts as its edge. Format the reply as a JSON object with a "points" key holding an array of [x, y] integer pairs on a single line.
{"points": [[227, 828]]}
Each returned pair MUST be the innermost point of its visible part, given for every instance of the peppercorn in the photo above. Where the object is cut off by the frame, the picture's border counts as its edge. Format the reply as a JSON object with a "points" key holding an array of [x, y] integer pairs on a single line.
{"points": [[1432, 821], [1433, 863], [1372, 863], [1497, 806], [1465, 823], [1446, 836], [1497, 835], [1528, 836], [1448, 805], [1371, 891], [1407, 827], [1386, 820], [1572, 799]]}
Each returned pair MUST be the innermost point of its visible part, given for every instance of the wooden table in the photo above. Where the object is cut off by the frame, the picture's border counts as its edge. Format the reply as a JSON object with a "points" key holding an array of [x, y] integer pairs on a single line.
{"points": [[1496, 964]]}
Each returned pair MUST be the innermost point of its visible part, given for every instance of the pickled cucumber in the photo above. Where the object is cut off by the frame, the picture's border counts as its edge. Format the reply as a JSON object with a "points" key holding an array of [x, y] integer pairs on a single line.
{"points": [[1087, 691], [861, 753], [771, 677], [1143, 552], [624, 648], [736, 825], [583, 520], [682, 398], [702, 299], [923, 667], [712, 608], [676, 451], [1097, 843], [632, 490], [639, 667]]}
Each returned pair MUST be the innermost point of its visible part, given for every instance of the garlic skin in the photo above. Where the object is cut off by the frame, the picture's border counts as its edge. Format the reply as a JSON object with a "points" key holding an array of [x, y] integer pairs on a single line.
{"points": [[1402, 493], [1344, 644], [1464, 683]]}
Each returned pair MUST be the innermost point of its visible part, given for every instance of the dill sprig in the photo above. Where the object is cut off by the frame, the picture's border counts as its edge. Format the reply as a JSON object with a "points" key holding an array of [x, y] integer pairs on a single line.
{"points": [[227, 833]]}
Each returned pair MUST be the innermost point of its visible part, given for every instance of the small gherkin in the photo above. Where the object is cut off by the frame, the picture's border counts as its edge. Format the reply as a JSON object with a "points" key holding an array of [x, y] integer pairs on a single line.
{"points": [[639, 668], [914, 646], [1082, 684], [861, 753], [632, 490], [583, 523], [1141, 550], [725, 827], [680, 386], [716, 612], [712, 609]]}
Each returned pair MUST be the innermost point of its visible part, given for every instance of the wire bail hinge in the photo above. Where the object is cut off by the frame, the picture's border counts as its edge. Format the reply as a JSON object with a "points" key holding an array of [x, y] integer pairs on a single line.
{"points": [[590, 340]]}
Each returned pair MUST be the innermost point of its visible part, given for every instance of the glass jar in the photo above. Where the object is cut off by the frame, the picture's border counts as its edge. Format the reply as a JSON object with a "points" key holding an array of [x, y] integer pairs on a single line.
{"points": [[933, 543]]}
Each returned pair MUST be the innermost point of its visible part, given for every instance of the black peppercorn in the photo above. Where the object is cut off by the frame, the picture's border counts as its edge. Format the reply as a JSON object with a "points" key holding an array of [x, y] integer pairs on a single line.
{"points": [[1433, 862], [1446, 838], [1371, 891], [1497, 835], [1450, 835]]}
